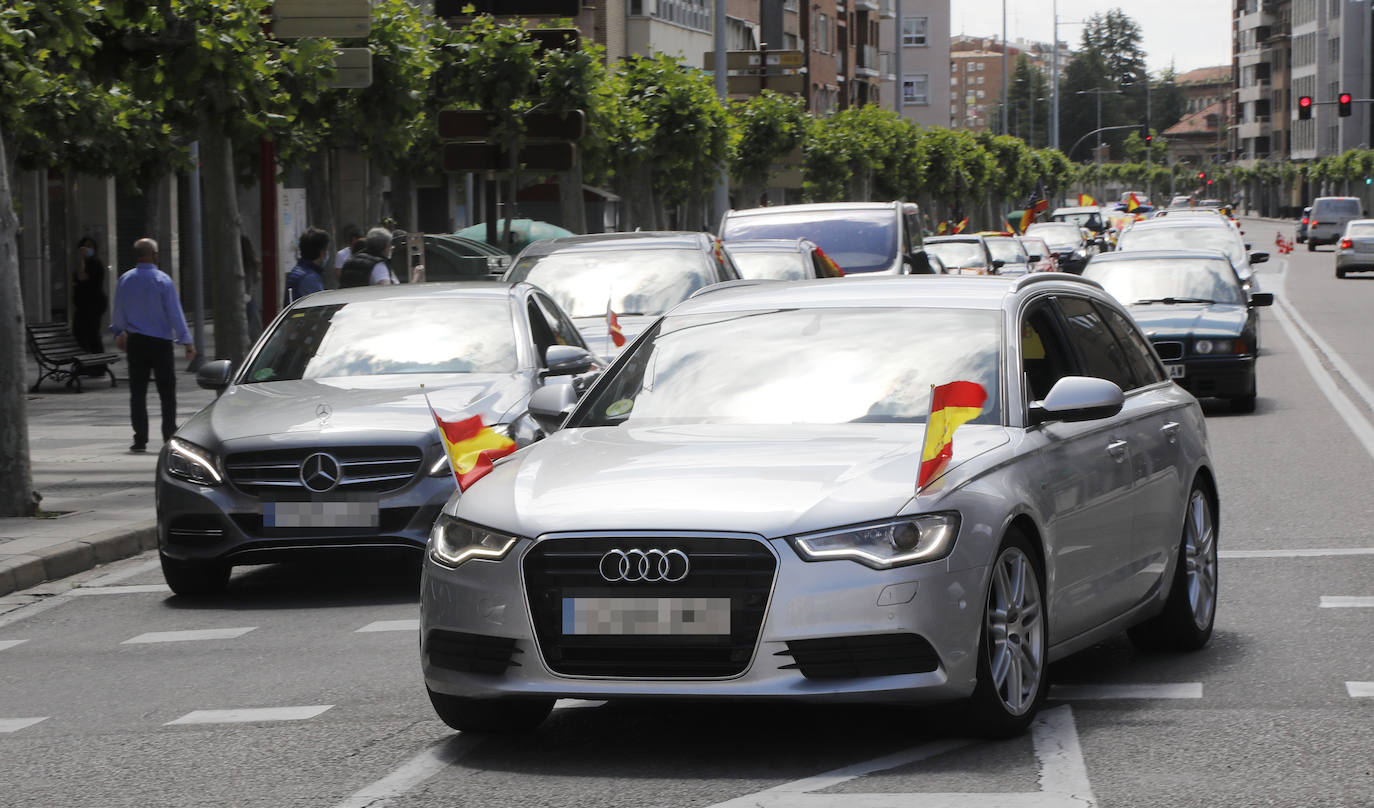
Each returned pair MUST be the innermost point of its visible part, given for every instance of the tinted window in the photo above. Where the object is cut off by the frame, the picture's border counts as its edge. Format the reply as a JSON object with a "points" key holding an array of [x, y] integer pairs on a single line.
{"points": [[1137, 350], [1044, 357], [1336, 207], [565, 333], [633, 281], [1098, 350], [857, 240]]}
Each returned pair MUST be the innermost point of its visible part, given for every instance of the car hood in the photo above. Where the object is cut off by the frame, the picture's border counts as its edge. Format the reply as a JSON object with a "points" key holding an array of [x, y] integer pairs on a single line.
{"points": [[1195, 319], [306, 411], [770, 480], [597, 335]]}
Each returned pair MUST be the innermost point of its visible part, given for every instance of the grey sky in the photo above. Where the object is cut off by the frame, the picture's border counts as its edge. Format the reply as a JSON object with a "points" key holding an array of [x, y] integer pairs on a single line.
{"points": [[1189, 33]]}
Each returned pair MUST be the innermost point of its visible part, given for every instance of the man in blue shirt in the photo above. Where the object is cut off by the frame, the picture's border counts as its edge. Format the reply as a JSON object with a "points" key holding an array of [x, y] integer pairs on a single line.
{"points": [[147, 319], [307, 276]]}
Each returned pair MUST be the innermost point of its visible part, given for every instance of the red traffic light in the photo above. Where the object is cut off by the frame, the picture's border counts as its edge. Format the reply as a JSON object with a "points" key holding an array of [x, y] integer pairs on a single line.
{"points": [[1344, 98], [1306, 100], [1343, 105], [1202, 175], [1304, 107]]}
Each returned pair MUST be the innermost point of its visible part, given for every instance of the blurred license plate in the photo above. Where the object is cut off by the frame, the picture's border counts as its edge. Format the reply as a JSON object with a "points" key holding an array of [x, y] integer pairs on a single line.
{"points": [[1177, 371], [320, 514], [646, 616]]}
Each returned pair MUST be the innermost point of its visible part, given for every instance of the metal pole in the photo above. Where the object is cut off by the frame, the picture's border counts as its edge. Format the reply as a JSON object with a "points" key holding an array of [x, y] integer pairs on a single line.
{"points": [[1004, 67], [1097, 157], [1054, 80], [197, 261], [897, 63], [721, 196]]}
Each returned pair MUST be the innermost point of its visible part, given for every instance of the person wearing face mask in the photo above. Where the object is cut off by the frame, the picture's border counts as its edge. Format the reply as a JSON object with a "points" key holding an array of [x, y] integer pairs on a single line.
{"points": [[89, 301]]}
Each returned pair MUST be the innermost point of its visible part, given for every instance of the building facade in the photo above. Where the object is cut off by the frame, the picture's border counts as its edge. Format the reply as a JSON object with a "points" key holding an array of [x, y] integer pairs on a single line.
{"points": [[922, 34]]}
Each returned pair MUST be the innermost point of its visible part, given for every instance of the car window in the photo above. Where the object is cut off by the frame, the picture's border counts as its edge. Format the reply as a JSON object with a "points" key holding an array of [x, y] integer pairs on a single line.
{"points": [[959, 254], [1097, 349], [1061, 236], [780, 265], [857, 240], [1187, 237], [1044, 357], [1035, 248], [1006, 250], [565, 333], [1360, 229], [1337, 207], [1148, 281], [647, 280], [1142, 360]]}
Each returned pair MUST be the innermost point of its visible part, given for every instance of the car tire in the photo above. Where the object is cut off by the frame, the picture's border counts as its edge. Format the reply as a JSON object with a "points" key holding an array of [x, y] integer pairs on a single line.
{"points": [[1311, 245], [194, 579], [1191, 610], [1243, 404], [1013, 646], [490, 715], [1340, 273]]}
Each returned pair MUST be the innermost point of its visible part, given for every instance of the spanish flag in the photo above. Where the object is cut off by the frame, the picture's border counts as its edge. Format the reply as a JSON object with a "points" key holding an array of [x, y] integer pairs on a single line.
{"points": [[959, 228], [951, 406], [1132, 203], [1086, 201], [613, 326], [1037, 203], [942, 229], [471, 447]]}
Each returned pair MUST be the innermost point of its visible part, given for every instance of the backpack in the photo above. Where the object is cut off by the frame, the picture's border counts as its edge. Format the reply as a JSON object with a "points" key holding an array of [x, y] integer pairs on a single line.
{"points": [[357, 270]]}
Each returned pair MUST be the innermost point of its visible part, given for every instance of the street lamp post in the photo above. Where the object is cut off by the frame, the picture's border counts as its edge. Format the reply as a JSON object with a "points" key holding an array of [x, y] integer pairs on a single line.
{"points": [[1054, 74], [1097, 155]]}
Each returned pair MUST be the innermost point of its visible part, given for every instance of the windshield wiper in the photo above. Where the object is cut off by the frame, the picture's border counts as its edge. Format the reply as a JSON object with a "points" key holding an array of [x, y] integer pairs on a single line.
{"points": [[1170, 301]]}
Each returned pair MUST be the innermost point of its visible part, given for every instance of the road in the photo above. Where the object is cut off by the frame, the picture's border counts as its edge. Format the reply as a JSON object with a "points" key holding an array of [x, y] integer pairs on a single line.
{"points": [[114, 693]]}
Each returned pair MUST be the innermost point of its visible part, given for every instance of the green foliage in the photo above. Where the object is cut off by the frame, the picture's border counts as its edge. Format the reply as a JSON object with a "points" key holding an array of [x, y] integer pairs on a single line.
{"points": [[765, 128]]}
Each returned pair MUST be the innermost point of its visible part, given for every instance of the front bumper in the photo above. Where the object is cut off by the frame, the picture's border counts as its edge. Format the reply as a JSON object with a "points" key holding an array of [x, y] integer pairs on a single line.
{"points": [[484, 603], [1218, 376]]}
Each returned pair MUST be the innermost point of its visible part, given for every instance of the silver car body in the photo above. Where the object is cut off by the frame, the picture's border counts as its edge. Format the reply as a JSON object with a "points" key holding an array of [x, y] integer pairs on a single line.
{"points": [[1329, 216], [1196, 232], [1104, 499], [1355, 249], [877, 238]]}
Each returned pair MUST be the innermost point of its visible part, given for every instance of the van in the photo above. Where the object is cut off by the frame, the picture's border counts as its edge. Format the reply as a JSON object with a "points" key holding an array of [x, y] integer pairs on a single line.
{"points": [[1328, 219], [881, 238]]}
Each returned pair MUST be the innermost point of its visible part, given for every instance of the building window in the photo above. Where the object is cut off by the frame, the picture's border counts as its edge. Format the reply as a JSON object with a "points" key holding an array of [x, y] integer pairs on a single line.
{"points": [[980, 79], [980, 93], [1336, 7], [916, 89], [822, 33], [1333, 49], [953, 80], [914, 30]]}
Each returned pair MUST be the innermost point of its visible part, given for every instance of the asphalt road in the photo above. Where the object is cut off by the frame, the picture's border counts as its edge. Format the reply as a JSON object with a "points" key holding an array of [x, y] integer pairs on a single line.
{"points": [[1278, 710]]}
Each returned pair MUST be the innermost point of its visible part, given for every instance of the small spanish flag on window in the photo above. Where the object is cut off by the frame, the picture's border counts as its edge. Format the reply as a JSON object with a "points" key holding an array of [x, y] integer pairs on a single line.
{"points": [[613, 326], [951, 406], [1132, 203], [471, 447]]}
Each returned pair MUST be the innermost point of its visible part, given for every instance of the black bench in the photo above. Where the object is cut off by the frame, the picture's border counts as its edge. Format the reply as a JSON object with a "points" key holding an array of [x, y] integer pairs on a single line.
{"points": [[60, 357]]}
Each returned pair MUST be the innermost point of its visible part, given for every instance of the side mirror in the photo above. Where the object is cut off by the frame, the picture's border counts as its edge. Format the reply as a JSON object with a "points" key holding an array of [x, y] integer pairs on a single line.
{"points": [[998, 263], [1247, 245], [1078, 398], [567, 360], [551, 404], [215, 375], [1262, 299], [1259, 257]]}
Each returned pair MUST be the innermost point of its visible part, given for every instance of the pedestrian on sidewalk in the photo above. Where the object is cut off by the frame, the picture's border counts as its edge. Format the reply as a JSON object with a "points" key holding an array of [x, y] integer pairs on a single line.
{"points": [[89, 301], [307, 276], [147, 320], [369, 268]]}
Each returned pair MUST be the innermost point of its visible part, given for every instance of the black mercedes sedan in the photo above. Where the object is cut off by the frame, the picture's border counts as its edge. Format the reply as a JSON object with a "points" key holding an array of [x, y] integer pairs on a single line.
{"points": [[1192, 307]]}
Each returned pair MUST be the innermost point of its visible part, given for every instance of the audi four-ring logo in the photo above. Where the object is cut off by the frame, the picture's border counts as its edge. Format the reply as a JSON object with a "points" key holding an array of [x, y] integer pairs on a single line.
{"points": [[644, 566]]}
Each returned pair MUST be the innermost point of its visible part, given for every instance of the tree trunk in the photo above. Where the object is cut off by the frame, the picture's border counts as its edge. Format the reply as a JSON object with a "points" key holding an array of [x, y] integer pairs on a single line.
{"points": [[402, 192], [373, 203], [638, 200], [695, 213], [222, 251], [571, 205], [320, 204], [17, 497]]}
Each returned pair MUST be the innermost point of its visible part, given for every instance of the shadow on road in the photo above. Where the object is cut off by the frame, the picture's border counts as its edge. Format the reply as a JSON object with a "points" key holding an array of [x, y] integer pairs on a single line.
{"points": [[329, 583]]}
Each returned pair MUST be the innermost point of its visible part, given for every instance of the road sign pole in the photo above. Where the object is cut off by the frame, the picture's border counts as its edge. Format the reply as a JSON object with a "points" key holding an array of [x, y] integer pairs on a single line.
{"points": [[721, 194]]}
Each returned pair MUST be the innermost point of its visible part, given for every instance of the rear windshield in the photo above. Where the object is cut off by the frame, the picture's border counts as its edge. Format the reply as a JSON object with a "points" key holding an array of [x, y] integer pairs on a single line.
{"points": [[1007, 250], [1337, 207], [857, 240], [1360, 230]]}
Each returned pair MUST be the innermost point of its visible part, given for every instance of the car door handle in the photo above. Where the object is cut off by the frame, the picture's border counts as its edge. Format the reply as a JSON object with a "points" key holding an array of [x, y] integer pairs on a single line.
{"points": [[1117, 449], [1170, 430]]}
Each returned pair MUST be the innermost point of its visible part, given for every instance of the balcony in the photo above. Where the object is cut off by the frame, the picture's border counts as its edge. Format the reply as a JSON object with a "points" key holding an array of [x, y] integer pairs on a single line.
{"points": [[1259, 91], [888, 10], [1252, 129], [868, 63], [867, 5]]}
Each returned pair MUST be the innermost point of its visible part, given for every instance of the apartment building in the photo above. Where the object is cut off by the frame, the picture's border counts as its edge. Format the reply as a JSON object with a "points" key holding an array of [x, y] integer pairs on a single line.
{"points": [[975, 86], [923, 31]]}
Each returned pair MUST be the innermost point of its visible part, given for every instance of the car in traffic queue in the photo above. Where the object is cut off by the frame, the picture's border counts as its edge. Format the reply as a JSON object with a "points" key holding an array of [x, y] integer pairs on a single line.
{"points": [[1092, 218], [1005, 247], [882, 238], [1041, 256], [1355, 250], [781, 259], [1196, 314], [1201, 232], [1180, 201], [712, 523], [324, 442], [963, 254], [1329, 216], [634, 277], [1300, 235], [1071, 248]]}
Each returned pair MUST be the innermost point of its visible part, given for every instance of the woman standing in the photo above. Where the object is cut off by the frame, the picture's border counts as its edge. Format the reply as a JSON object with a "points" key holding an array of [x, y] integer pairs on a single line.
{"points": [[88, 297]]}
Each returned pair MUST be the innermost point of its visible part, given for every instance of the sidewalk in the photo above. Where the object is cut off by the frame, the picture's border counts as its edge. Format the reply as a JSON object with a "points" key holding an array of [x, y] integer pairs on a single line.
{"points": [[97, 494]]}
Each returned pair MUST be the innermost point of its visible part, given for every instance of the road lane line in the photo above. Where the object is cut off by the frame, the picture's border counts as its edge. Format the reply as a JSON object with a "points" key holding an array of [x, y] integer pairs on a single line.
{"points": [[190, 635], [1346, 602], [1360, 690], [1343, 367], [121, 590], [1313, 553], [434, 759], [10, 643], [16, 724], [391, 625], [1179, 690], [120, 576], [250, 714]]}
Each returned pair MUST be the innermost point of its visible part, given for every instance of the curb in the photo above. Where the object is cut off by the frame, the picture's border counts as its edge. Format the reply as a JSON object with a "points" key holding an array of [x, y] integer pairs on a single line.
{"points": [[78, 555]]}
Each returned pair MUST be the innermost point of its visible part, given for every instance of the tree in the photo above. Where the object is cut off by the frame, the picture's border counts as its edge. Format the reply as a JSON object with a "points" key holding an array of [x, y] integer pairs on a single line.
{"points": [[572, 80], [766, 128], [1167, 102], [1028, 99], [1110, 60]]}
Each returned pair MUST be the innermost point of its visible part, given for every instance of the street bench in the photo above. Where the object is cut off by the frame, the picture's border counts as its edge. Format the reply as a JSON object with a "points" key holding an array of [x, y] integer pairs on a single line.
{"points": [[60, 357]]}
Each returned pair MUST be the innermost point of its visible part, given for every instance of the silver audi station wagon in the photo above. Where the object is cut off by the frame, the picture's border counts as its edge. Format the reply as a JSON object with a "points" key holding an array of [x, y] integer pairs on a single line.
{"points": [[732, 510]]}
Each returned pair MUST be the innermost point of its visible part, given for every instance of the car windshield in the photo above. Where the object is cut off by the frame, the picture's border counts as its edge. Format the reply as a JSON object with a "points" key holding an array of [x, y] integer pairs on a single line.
{"points": [[1007, 250], [1091, 219], [723, 367], [1058, 236], [857, 240], [781, 266], [381, 337], [1202, 237], [633, 281], [1166, 280], [958, 254], [1036, 249]]}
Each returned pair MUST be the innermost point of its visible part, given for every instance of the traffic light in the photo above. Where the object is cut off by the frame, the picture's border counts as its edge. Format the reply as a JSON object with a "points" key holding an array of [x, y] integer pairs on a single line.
{"points": [[1304, 107], [1201, 175], [1343, 105]]}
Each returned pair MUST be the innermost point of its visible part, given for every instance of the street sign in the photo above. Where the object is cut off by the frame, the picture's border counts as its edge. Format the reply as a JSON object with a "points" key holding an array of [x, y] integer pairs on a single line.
{"points": [[746, 60], [336, 19], [542, 157], [510, 8], [751, 85], [352, 68], [460, 124]]}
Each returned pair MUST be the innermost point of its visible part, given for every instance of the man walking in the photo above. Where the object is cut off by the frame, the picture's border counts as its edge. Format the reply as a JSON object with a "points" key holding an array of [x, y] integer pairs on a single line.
{"points": [[147, 319], [369, 268], [307, 276]]}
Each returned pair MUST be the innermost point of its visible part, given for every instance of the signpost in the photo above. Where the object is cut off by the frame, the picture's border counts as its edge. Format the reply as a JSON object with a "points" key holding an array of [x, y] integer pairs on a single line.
{"points": [[335, 19], [751, 72]]}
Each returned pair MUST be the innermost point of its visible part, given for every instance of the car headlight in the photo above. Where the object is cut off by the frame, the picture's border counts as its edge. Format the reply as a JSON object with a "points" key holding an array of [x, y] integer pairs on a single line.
{"points": [[1221, 346], [452, 542], [187, 461], [908, 540], [441, 466]]}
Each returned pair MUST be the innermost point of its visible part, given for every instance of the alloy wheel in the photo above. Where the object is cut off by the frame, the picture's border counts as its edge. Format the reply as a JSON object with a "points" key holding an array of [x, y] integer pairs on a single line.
{"points": [[1200, 559], [1016, 633]]}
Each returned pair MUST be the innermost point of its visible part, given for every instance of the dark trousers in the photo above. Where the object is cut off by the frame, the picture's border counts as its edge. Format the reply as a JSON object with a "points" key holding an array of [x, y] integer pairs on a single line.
{"points": [[86, 329], [150, 355]]}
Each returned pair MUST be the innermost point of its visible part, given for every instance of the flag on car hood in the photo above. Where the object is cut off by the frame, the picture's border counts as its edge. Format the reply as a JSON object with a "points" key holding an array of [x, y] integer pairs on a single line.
{"points": [[951, 406], [471, 447]]}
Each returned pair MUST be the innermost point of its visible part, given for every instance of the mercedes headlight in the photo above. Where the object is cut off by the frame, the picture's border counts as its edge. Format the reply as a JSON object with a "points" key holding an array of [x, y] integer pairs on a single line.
{"points": [[908, 540], [441, 466], [452, 542], [189, 462]]}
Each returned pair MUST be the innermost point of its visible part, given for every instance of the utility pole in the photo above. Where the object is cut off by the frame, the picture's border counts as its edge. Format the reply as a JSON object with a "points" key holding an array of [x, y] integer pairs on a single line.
{"points": [[897, 63], [721, 197], [1097, 155], [1004, 67]]}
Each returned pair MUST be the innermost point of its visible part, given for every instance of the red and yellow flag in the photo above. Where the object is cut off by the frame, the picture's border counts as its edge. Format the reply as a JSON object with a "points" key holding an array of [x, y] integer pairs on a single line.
{"points": [[613, 326], [959, 228], [942, 229], [471, 447], [951, 406], [1132, 203], [1086, 201]]}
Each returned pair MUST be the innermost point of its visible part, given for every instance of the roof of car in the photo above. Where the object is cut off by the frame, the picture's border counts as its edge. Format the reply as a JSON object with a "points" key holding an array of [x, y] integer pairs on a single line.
{"points": [[1180, 221], [1158, 255], [766, 244], [1078, 209], [811, 206], [953, 237], [616, 241], [410, 291]]}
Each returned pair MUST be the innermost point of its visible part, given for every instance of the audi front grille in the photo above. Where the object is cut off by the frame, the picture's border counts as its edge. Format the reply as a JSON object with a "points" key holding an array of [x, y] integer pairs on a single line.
{"points": [[374, 469], [559, 570]]}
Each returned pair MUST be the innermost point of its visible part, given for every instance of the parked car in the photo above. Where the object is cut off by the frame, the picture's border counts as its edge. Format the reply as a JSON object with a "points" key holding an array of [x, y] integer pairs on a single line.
{"points": [[1041, 256], [1301, 235], [1206, 232], [1180, 201], [1329, 216], [1008, 250], [323, 440], [1355, 251], [1202, 323], [1071, 247], [963, 254], [453, 258], [862, 237], [762, 508], [782, 259], [1092, 217], [637, 275]]}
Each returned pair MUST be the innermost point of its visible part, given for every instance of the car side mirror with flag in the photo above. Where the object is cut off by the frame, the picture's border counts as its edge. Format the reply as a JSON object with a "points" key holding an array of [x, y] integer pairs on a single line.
{"points": [[215, 375], [1078, 398], [551, 404]]}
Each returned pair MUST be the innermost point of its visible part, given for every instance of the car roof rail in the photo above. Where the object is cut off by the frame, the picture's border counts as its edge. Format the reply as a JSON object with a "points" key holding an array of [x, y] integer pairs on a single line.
{"points": [[734, 283], [1041, 277]]}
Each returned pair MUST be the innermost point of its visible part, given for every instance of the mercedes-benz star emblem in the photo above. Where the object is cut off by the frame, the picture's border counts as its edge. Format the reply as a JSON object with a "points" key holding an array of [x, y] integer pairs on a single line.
{"points": [[644, 566], [320, 472], [323, 411]]}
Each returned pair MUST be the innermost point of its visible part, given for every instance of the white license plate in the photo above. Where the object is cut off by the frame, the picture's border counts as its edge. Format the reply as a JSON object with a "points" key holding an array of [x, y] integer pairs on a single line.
{"points": [[320, 514], [1177, 371], [646, 616]]}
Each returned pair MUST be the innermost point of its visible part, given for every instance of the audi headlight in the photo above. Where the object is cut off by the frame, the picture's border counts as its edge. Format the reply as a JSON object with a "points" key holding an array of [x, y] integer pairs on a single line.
{"points": [[187, 461], [441, 466], [883, 545], [452, 542]]}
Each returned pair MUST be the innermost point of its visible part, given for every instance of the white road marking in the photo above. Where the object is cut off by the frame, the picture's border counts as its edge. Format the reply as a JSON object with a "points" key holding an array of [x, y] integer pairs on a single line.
{"points": [[189, 636], [10, 643], [391, 625], [250, 714], [413, 772], [1360, 690], [1063, 777], [122, 575], [1179, 690], [1362, 389], [564, 704], [121, 590], [1346, 602], [16, 724], [1312, 553]]}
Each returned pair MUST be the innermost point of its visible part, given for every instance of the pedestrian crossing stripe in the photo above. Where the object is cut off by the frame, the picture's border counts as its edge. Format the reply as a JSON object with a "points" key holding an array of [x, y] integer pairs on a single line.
{"points": [[250, 715], [16, 724], [189, 636]]}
